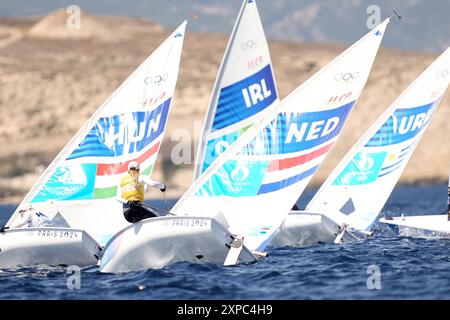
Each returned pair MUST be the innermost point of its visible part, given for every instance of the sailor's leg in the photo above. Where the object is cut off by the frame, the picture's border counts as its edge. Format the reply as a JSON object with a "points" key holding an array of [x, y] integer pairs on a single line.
{"points": [[143, 212], [131, 214], [128, 214]]}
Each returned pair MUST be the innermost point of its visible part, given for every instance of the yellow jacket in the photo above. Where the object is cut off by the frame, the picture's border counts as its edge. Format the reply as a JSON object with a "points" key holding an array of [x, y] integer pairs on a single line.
{"points": [[133, 189]]}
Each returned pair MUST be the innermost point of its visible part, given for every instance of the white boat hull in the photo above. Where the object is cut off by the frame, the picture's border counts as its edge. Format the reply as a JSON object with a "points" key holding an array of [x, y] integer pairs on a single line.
{"points": [[158, 242], [49, 246], [420, 226], [305, 228]]}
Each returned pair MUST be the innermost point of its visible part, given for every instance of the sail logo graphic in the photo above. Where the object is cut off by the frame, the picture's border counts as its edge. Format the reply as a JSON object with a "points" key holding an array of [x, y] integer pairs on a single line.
{"points": [[408, 123], [346, 77], [403, 125], [442, 74], [131, 132], [340, 99], [249, 44], [153, 100], [306, 130], [71, 182], [255, 62], [217, 146], [245, 98], [240, 173], [123, 134], [255, 93], [155, 80], [311, 130], [296, 131], [362, 169], [236, 179]]}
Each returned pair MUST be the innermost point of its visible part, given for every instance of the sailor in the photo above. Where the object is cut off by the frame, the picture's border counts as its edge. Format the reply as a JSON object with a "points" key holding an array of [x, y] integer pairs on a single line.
{"points": [[29, 217], [131, 194]]}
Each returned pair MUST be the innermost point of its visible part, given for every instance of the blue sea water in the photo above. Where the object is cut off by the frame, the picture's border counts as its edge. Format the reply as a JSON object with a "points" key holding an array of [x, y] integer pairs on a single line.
{"points": [[409, 268]]}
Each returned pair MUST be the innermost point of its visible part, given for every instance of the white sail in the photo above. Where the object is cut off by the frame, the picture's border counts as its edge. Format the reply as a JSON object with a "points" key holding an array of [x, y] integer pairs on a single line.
{"points": [[245, 85], [358, 188], [254, 183], [81, 182]]}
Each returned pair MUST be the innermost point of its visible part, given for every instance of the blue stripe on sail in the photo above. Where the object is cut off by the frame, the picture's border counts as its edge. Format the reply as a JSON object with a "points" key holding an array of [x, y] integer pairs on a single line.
{"points": [[393, 165], [123, 134], [404, 149], [398, 165], [88, 152], [402, 155], [89, 140], [245, 98], [274, 186], [409, 123], [293, 132]]}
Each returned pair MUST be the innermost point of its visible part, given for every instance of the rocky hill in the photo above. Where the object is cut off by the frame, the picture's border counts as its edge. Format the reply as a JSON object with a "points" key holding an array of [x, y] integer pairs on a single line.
{"points": [[51, 81]]}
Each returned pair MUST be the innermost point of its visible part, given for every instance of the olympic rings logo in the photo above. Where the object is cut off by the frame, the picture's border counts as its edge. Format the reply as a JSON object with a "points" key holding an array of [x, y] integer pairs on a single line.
{"points": [[347, 76], [249, 44], [442, 73], [155, 80]]}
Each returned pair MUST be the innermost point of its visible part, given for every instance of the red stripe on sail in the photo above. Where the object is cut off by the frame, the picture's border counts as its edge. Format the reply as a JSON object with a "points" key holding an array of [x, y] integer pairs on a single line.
{"points": [[275, 165], [107, 169]]}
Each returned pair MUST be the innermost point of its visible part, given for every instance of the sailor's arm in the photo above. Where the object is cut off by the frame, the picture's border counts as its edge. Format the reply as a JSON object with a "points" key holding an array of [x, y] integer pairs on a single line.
{"points": [[20, 221], [152, 183]]}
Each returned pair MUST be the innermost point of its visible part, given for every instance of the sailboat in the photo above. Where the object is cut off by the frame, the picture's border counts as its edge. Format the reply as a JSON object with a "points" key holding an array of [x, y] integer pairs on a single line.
{"points": [[244, 87], [80, 185], [426, 226], [230, 213], [350, 199]]}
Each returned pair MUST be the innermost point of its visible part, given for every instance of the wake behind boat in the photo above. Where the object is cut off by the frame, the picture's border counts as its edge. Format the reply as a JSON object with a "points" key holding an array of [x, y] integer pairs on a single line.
{"points": [[427, 226]]}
